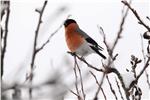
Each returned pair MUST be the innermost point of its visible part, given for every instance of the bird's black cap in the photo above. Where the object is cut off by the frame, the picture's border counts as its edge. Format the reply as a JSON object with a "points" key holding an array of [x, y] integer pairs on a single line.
{"points": [[69, 21]]}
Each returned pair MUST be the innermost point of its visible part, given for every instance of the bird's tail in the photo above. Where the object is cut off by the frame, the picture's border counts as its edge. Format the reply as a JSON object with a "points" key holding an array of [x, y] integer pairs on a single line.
{"points": [[96, 50], [101, 55]]}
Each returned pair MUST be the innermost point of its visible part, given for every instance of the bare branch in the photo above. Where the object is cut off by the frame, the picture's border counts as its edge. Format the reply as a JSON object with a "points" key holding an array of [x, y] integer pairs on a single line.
{"points": [[95, 78], [119, 89], [146, 65], [3, 50], [119, 32], [115, 71], [112, 90], [136, 15], [99, 87], [138, 76], [144, 57], [74, 93], [147, 77], [81, 80], [49, 38], [101, 31], [35, 44], [76, 81], [110, 50], [82, 59]]}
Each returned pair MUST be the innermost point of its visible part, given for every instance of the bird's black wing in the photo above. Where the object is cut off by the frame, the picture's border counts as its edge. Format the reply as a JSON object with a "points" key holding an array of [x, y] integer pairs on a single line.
{"points": [[89, 39]]}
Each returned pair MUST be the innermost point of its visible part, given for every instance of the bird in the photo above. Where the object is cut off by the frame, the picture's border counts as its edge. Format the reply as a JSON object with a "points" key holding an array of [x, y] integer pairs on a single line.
{"points": [[79, 42]]}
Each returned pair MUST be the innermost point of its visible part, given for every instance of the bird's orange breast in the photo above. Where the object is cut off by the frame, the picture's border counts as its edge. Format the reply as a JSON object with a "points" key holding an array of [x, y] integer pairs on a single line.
{"points": [[74, 40]]}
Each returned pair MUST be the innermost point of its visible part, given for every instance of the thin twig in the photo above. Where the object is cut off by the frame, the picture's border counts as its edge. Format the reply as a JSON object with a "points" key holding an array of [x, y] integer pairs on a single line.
{"points": [[147, 77], [35, 44], [82, 59], [103, 93], [111, 50], [74, 93], [101, 31], [136, 15], [146, 65], [119, 89], [107, 70], [134, 62], [99, 87], [3, 50], [112, 90], [95, 78], [76, 79], [81, 80], [138, 76], [119, 32], [52, 34], [144, 57], [142, 47]]}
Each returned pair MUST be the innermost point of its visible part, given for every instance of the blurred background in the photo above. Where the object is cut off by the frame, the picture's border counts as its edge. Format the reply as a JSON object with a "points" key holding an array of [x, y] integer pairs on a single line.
{"points": [[53, 65]]}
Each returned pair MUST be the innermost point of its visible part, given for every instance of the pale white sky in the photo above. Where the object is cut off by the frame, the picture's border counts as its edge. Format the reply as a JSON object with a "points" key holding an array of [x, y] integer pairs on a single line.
{"points": [[88, 14]]}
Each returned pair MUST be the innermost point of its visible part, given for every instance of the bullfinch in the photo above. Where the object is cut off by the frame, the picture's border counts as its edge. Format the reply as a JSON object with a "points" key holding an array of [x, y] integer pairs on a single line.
{"points": [[79, 42]]}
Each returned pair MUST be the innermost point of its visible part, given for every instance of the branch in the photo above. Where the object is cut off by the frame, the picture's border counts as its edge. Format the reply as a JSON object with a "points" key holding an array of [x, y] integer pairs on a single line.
{"points": [[119, 89], [101, 31], [35, 44], [136, 15], [146, 65], [110, 50], [82, 88], [144, 57], [106, 71], [134, 62], [52, 34], [83, 60], [147, 77], [138, 76], [75, 94], [99, 87], [36, 34], [112, 90], [119, 32], [115, 71], [3, 50], [76, 81]]}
